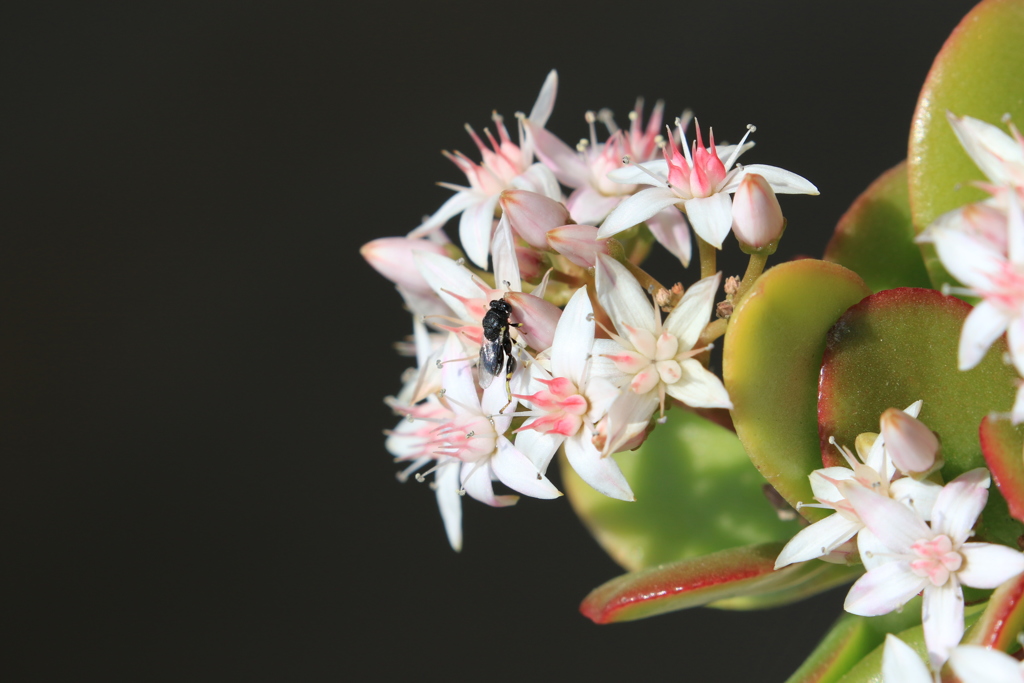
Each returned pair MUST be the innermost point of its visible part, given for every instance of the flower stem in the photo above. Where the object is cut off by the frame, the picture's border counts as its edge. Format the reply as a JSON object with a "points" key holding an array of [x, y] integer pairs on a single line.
{"points": [[708, 258], [754, 269], [714, 330]]}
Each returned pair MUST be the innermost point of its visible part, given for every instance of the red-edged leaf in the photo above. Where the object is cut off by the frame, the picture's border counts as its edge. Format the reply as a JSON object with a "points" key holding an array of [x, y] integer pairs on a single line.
{"points": [[1002, 619], [692, 583], [1002, 444]]}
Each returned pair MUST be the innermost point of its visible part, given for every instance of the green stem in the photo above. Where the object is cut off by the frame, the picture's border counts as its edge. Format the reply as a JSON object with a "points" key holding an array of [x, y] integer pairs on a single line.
{"points": [[714, 330], [708, 258], [754, 269]]}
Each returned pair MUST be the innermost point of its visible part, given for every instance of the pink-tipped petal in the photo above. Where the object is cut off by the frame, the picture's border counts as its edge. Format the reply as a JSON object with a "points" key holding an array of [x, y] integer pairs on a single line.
{"points": [[578, 243], [392, 257], [531, 215], [562, 159]]}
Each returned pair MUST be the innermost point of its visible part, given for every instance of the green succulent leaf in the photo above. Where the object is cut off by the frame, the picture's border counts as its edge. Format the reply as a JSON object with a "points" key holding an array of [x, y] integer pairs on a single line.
{"points": [[875, 237], [898, 346], [977, 73], [850, 640], [771, 360], [696, 493]]}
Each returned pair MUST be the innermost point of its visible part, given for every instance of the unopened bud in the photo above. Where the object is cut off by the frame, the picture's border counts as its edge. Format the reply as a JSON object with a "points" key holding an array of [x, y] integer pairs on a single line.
{"points": [[578, 243], [911, 445], [531, 215], [392, 257], [538, 317], [756, 214]]}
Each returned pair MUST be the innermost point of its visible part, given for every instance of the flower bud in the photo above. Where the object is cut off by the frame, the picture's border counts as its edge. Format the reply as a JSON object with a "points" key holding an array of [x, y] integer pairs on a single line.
{"points": [[392, 257], [539, 318], [531, 215], [756, 214], [578, 243], [910, 444]]}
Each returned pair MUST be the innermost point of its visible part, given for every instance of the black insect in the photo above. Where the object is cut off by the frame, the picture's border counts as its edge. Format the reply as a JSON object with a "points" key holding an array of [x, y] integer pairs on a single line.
{"points": [[496, 349]]}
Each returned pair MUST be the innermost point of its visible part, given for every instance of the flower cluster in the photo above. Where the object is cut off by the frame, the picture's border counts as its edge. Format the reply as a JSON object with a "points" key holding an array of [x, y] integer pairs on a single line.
{"points": [[583, 356], [542, 333], [982, 245]]}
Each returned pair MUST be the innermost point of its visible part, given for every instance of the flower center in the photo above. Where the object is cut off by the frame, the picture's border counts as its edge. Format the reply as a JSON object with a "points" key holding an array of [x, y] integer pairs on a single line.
{"points": [[565, 407], [936, 559], [468, 437]]}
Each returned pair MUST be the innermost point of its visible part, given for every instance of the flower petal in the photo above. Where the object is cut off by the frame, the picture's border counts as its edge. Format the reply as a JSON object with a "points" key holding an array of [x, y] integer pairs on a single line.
{"points": [[987, 565], [896, 525], [942, 615], [545, 103], [476, 481], [638, 208], [689, 318], [538, 446], [503, 257], [818, 539], [515, 471], [456, 204], [449, 502], [627, 417], [781, 180], [988, 146], [976, 664], [873, 553], [646, 173], [983, 326], [920, 496], [883, 589], [670, 227], [699, 388], [901, 664], [711, 217], [621, 296], [475, 229], [574, 338], [587, 206], [564, 161], [823, 483], [601, 473], [457, 376], [959, 504]]}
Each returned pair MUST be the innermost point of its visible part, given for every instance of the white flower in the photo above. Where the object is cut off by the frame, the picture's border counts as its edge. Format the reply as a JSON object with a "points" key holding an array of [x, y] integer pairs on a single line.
{"points": [[900, 664], [585, 169], [907, 556], [999, 156], [567, 402], [874, 470], [699, 182], [504, 166], [976, 664], [650, 358]]}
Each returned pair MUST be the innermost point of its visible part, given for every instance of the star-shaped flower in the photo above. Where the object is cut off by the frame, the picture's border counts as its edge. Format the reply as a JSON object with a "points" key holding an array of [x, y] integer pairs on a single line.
{"points": [[908, 556], [699, 181]]}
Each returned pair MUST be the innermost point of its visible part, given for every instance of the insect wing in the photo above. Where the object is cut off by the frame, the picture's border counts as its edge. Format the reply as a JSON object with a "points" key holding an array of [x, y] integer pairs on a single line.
{"points": [[491, 362]]}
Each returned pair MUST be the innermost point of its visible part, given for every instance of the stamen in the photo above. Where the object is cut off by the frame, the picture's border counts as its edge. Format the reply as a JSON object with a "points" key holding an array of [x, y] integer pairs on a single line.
{"points": [[739, 148], [948, 289], [845, 452]]}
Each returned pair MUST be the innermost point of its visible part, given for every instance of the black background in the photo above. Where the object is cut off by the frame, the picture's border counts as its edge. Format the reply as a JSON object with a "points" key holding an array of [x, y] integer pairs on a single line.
{"points": [[193, 484]]}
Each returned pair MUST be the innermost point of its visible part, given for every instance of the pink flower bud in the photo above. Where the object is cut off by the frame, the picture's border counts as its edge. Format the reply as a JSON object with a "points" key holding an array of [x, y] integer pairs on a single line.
{"points": [[531, 215], [910, 444], [578, 243], [539, 318], [756, 214], [392, 257], [531, 264]]}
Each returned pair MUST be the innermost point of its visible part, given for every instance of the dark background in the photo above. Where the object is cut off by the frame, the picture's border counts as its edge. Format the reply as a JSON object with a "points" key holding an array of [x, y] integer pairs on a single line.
{"points": [[193, 484]]}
